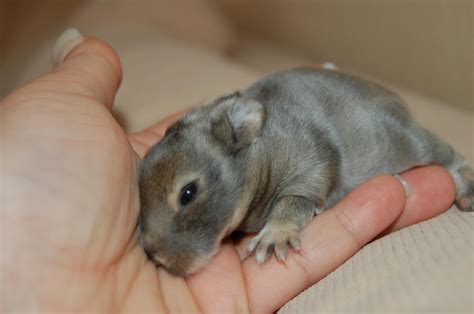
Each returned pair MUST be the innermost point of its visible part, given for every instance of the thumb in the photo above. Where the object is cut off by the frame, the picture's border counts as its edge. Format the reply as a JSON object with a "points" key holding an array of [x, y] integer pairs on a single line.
{"points": [[83, 67], [87, 66]]}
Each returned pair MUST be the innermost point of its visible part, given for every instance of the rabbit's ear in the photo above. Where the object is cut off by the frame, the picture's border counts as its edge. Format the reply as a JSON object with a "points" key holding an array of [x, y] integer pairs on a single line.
{"points": [[240, 123]]}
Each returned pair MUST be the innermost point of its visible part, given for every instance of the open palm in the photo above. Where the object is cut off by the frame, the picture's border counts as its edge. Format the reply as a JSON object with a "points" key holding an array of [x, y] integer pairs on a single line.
{"points": [[70, 205]]}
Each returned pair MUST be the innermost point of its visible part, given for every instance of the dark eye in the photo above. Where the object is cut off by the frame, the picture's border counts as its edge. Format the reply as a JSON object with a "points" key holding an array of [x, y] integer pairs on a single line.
{"points": [[188, 193]]}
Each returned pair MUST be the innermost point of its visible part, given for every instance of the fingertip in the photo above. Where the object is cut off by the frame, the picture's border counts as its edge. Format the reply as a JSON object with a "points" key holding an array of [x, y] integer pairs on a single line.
{"points": [[433, 193], [67, 41], [373, 206], [87, 66], [91, 46], [385, 187], [433, 181]]}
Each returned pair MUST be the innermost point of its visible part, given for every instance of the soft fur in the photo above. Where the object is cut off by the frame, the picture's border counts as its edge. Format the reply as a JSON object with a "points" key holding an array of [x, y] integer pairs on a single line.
{"points": [[269, 158]]}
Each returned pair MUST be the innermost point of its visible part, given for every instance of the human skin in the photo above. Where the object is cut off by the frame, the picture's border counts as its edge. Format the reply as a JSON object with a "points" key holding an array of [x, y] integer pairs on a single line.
{"points": [[70, 205]]}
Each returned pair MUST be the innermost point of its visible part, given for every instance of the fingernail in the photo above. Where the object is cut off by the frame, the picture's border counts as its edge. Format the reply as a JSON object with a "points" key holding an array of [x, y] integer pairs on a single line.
{"points": [[67, 41], [406, 186], [329, 66]]}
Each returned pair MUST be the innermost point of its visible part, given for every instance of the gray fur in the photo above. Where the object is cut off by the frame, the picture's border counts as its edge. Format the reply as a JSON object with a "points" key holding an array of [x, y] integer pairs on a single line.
{"points": [[270, 157]]}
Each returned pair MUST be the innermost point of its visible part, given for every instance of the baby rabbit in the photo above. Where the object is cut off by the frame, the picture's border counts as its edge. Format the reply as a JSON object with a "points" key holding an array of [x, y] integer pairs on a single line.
{"points": [[269, 158]]}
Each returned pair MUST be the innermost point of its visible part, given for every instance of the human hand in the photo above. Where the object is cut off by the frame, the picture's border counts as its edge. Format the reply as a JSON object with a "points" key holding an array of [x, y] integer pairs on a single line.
{"points": [[70, 206]]}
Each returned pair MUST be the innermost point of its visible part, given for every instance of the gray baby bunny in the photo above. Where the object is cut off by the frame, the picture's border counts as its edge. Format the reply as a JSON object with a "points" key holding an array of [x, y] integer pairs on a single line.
{"points": [[268, 159]]}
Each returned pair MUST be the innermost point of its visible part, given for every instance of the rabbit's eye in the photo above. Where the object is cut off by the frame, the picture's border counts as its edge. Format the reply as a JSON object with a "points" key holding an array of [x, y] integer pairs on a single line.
{"points": [[188, 193]]}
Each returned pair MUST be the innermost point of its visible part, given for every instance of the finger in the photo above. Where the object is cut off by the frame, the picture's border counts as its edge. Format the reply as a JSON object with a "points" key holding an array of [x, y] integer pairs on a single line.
{"points": [[433, 192], [220, 286], [327, 241], [241, 245], [92, 68], [176, 293], [142, 141], [87, 68]]}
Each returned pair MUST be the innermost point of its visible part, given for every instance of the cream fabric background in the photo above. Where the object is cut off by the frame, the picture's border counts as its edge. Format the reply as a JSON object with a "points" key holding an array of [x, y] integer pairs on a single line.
{"points": [[427, 267], [30, 28], [425, 45]]}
